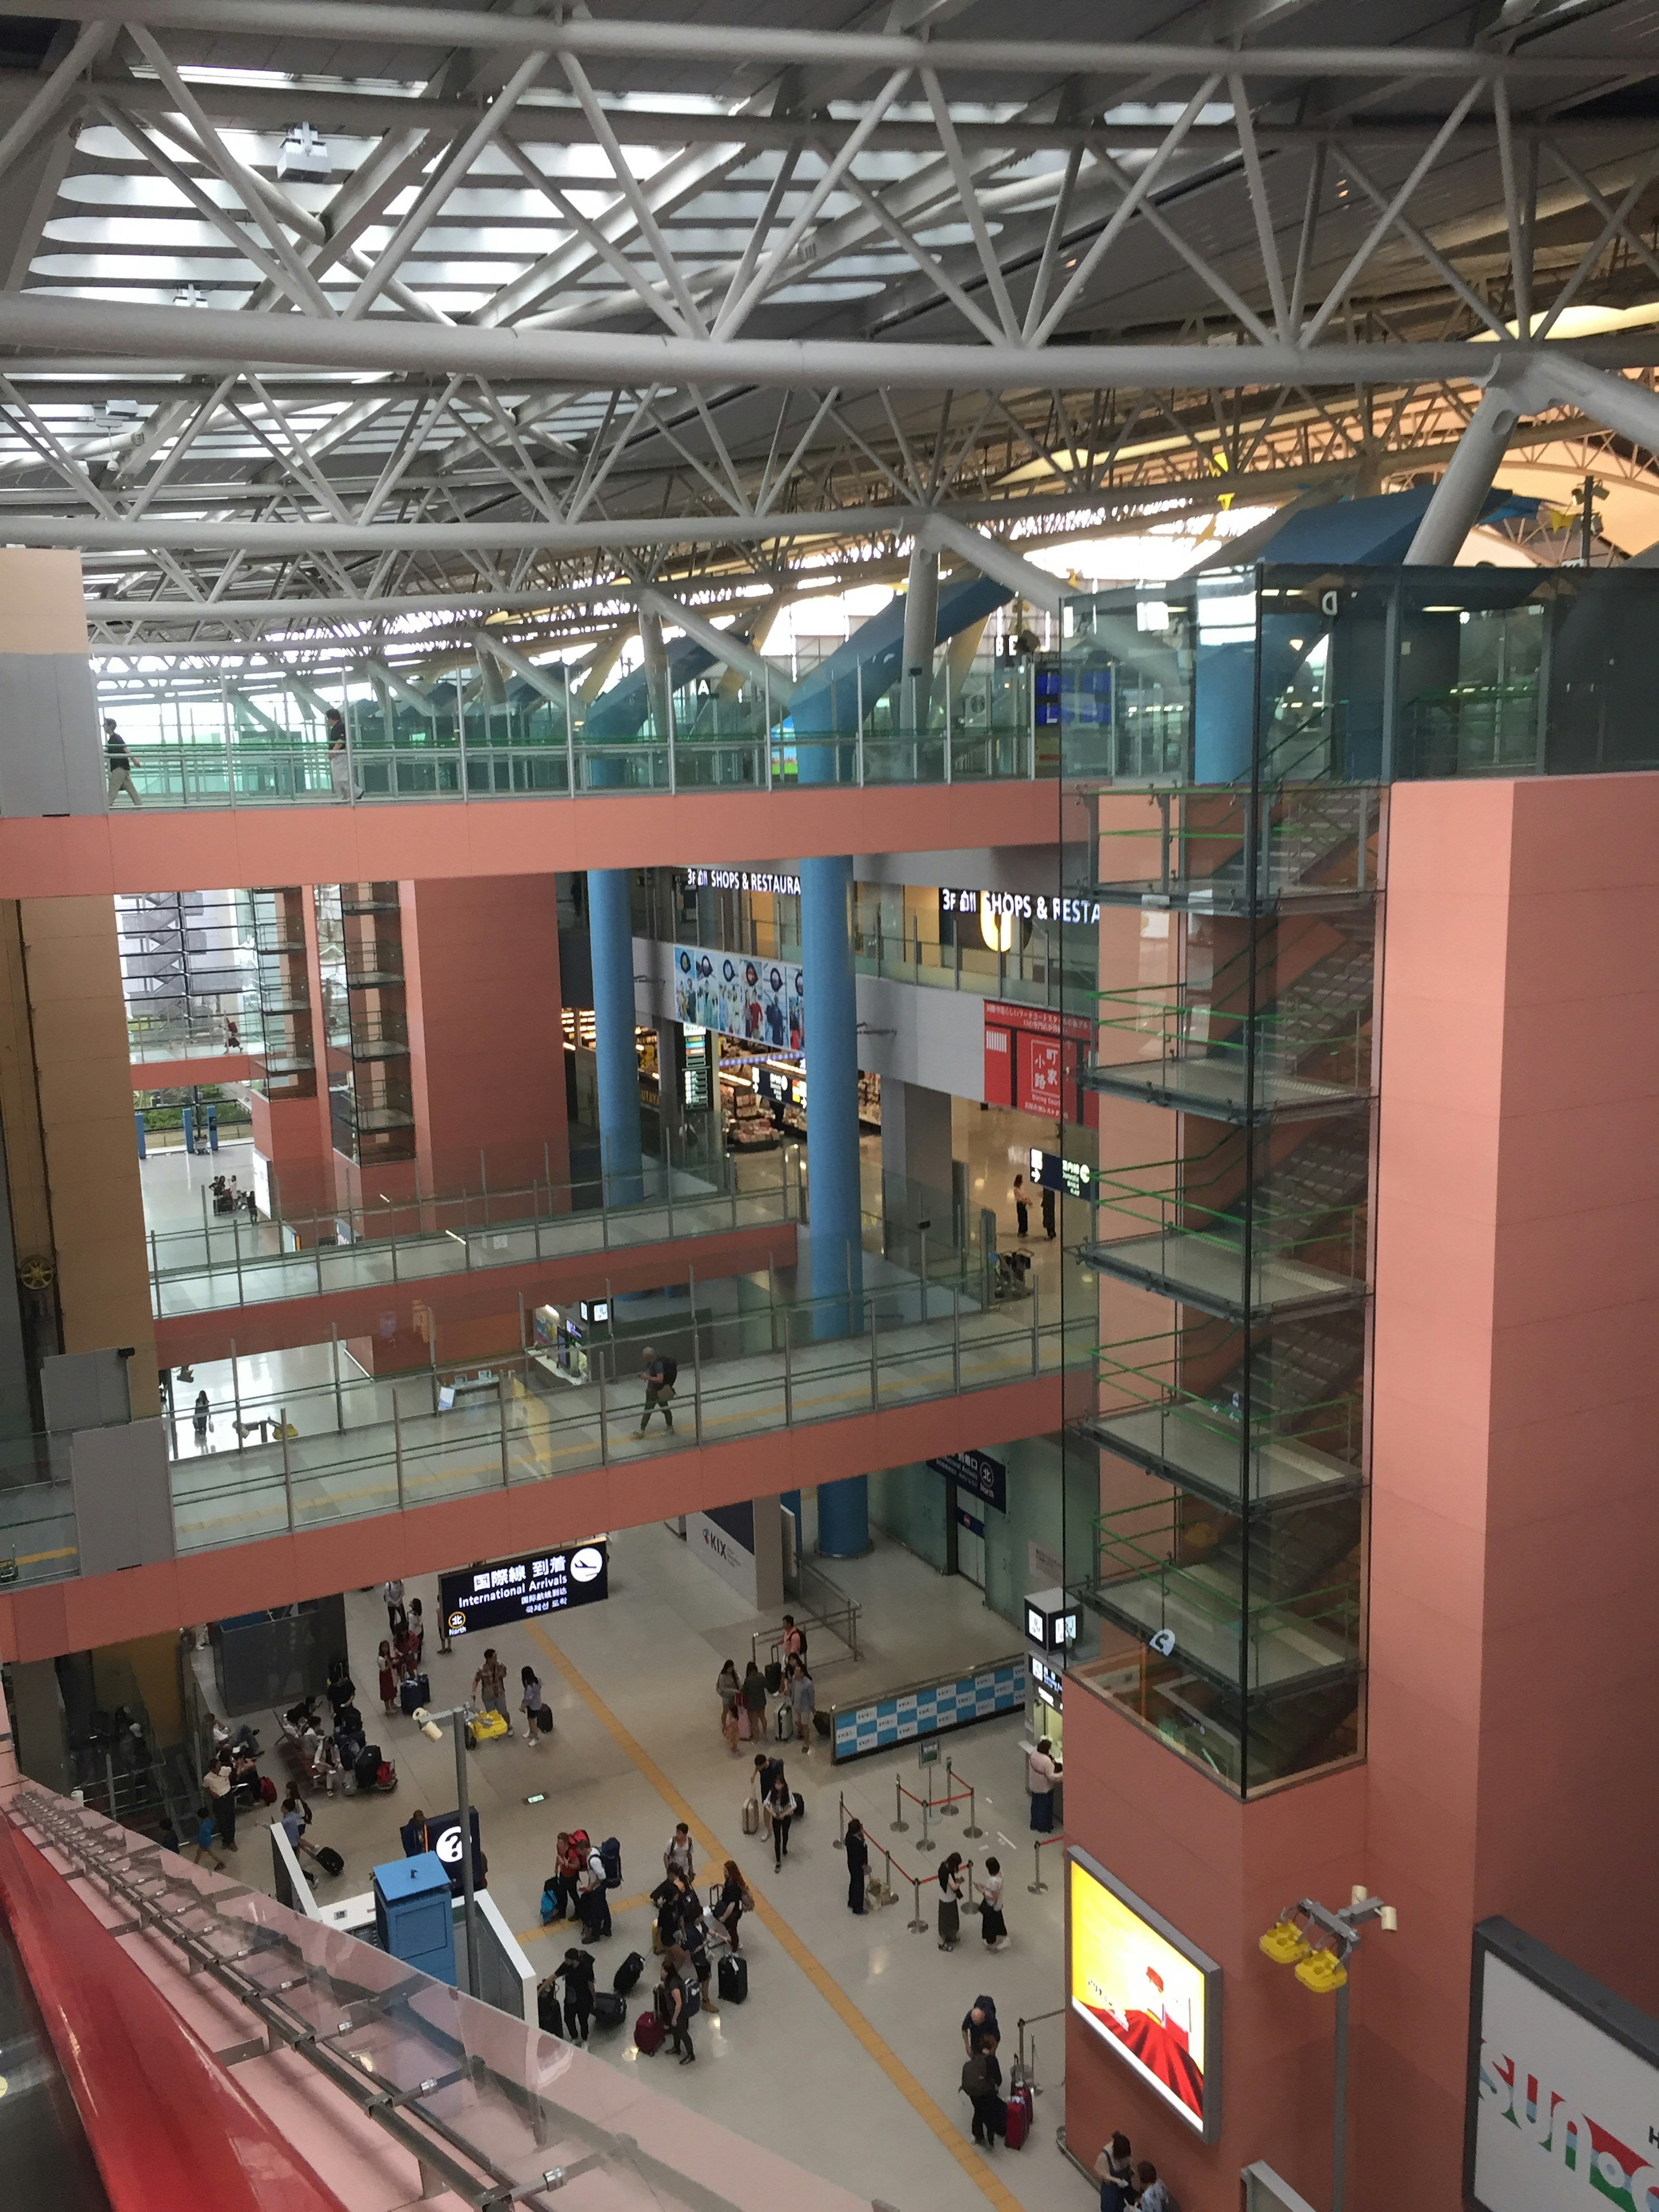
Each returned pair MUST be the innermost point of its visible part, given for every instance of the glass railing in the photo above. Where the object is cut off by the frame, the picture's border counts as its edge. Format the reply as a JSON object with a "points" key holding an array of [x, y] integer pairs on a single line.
{"points": [[1170, 1044], [206, 770], [226, 1261], [1303, 1256], [1316, 845], [1286, 1447]]}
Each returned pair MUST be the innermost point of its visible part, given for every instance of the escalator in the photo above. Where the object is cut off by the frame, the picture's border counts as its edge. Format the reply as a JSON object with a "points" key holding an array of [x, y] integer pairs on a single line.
{"points": [[44, 2153]]}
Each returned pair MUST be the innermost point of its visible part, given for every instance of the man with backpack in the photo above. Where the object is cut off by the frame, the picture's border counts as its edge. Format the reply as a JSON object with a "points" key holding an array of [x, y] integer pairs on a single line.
{"points": [[593, 1896], [660, 1372]]}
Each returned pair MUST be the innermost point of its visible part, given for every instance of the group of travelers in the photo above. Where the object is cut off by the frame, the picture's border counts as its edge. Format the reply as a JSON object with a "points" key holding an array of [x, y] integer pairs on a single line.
{"points": [[743, 1699], [1127, 2181], [953, 1878], [402, 1651], [579, 1889]]}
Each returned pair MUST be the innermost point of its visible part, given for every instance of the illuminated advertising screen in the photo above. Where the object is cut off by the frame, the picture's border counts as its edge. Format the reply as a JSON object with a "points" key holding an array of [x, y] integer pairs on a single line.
{"points": [[507, 1590], [1146, 1991], [1564, 2086]]}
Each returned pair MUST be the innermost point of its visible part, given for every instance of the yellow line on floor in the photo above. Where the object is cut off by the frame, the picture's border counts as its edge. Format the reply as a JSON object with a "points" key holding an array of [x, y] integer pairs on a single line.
{"points": [[878, 2048], [569, 1927]]}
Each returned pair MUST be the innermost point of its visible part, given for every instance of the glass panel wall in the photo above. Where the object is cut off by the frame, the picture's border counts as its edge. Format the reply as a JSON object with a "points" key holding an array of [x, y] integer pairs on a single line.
{"points": [[366, 1021]]}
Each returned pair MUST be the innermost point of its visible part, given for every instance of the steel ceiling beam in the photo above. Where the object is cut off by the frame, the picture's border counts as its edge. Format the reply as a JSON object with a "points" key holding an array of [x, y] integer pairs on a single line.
{"points": [[699, 42]]}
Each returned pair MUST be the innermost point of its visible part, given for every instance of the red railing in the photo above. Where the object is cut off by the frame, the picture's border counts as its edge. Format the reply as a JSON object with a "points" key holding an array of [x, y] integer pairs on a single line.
{"points": [[167, 2126]]}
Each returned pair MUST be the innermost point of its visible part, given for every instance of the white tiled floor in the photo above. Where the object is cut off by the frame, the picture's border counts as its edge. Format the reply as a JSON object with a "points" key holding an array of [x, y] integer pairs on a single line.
{"points": [[794, 2068]]}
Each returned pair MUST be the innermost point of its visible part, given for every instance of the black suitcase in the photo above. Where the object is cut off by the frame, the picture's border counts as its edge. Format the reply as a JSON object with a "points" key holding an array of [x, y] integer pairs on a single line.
{"points": [[417, 1691], [628, 1973], [800, 1807], [609, 2009], [773, 1677], [368, 1765], [329, 1860], [731, 1976]]}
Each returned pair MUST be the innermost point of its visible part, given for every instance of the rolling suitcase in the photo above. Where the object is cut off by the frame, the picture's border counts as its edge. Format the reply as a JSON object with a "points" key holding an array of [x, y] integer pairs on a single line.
{"points": [[416, 1691], [1017, 2125], [785, 1723], [609, 2009], [773, 1677], [628, 1973], [648, 2032], [732, 1977], [329, 1860], [751, 1817]]}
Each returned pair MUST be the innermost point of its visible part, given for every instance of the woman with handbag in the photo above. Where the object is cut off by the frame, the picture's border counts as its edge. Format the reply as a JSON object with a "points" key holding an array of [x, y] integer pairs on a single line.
{"points": [[949, 1902], [534, 1706]]}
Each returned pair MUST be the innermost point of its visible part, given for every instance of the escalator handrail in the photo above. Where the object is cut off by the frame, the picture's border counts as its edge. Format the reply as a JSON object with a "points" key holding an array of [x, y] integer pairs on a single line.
{"points": [[167, 2126]]}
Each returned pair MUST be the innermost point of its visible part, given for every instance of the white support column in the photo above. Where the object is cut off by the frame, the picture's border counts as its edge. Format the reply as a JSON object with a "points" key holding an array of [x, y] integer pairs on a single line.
{"points": [[1461, 492], [921, 633], [731, 651], [994, 559]]}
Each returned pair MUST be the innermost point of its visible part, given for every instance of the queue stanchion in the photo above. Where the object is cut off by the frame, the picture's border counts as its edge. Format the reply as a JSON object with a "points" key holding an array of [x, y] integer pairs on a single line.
{"points": [[1039, 1886], [973, 1828], [945, 1807], [924, 1841], [901, 1825], [916, 1924]]}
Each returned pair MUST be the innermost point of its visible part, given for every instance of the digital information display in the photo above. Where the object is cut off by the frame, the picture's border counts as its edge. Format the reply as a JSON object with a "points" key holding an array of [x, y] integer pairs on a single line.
{"points": [[1146, 1991], [508, 1590], [1563, 2085]]}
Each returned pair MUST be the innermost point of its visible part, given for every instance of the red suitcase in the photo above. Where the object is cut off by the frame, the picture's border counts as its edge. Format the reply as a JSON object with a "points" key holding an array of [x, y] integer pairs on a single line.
{"points": [[647, 2033], [1019, 2117]]}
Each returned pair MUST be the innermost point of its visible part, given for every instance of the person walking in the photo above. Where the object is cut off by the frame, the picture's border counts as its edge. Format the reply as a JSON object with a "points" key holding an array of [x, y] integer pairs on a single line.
{"points": [[203, 1846], [397, 1616], [415, 1636], [673, 2004], [780, 1809], [982, 2077], [1049, 1229], [992, 1925], [117, 762], [534, 1706], [1040, 1775], [222, 1798], [293, 1818], [339, 756], [858, 1865], [730, 1690], [576, 1973], [489, 1683], [803, 1698], [201, 1415], [388, 1678], [950, 1901], [734, 1902], [658, 1372], [681, 1855], [792, 1643], [754, 1700], [1116, 2173], [1021, 1197]]}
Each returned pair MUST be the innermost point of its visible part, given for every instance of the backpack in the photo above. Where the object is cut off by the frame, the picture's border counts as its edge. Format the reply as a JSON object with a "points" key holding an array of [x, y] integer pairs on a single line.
{"points": [[691, 1990], [267, 1791], [547, 1904], [976, 2076], [611, 1862]]}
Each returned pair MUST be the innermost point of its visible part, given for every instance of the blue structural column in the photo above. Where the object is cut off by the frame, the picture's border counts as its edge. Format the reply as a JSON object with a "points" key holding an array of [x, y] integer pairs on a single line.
{"points": [[611, 935], [832, 1152]]}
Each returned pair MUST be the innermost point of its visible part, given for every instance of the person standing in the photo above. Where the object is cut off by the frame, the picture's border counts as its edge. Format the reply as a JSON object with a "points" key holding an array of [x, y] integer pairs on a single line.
{"points": [[792, 1644], [397, 1619], [222, 1798], [568, 1859], [1021, 1196], [415, 1636], [339, 756], [734, 1902], [681, 1855], [489, 1683], [1049, 1229], [534, 1706], [660, 1372], [754, 1700], [577, 1975], [594, 1898], [445, 1647], [950, 1901], [730, 1690], [992, 1925], [982, 2077], [1040, 1775], [780, 1808], [672, 2004], [803, 1698], [388, 1678], [118, 763], [858, 1865]]}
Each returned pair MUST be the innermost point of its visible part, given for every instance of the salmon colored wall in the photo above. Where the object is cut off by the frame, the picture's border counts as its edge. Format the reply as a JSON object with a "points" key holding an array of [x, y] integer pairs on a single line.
{"points": [[79, 1032], [198, 1067], [153, 850], [1512, 1762], [287, 1134], [74, 1616], [481, 955]]}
